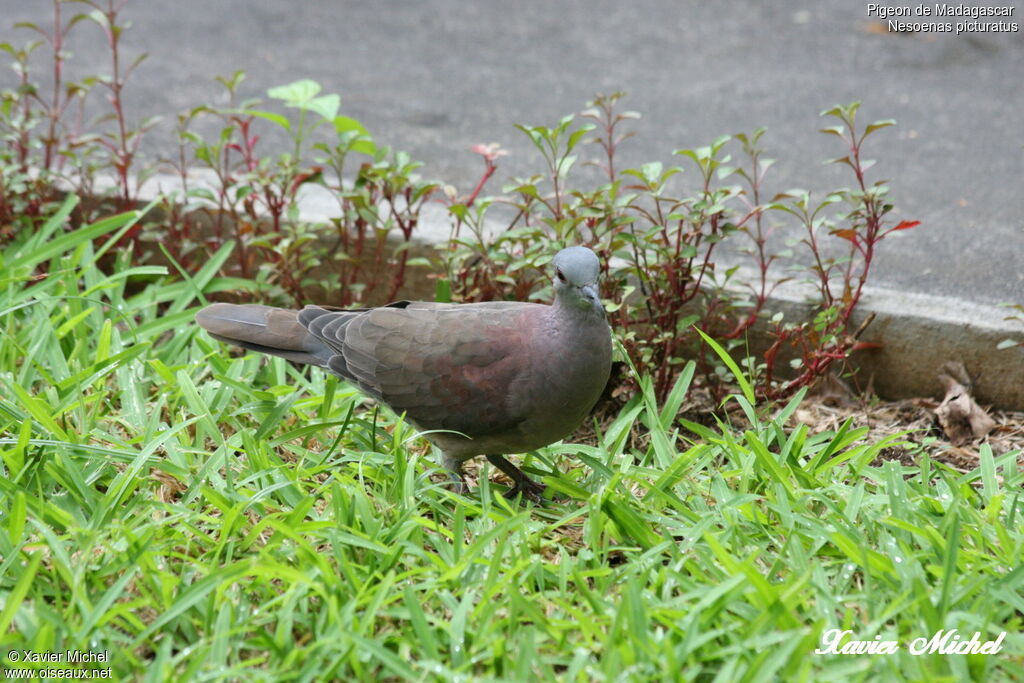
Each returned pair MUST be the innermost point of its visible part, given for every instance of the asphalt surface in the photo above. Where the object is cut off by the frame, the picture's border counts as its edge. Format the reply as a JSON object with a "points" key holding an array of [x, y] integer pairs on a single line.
{"points": [[434, 77]]}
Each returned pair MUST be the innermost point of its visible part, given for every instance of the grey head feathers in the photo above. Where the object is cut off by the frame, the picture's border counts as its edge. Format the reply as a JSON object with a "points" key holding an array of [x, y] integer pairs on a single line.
{"points": [[576, 271]]}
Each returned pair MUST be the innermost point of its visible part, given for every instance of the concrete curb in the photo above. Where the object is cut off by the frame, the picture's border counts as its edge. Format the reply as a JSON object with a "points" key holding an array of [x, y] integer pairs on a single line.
{"points": [[919, 333]]}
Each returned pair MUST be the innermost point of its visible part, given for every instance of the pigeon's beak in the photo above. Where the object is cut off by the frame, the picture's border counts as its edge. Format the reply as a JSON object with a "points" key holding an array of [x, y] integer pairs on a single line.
{"points": [[592, 296]]}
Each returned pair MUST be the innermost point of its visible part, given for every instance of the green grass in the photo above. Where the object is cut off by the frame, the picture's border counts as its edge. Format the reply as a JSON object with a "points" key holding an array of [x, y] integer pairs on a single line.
{"points": [[210, 517]]}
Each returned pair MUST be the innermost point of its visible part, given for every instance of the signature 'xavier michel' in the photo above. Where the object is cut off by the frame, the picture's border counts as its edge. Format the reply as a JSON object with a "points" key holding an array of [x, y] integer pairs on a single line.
{"points": [[498, 377]]}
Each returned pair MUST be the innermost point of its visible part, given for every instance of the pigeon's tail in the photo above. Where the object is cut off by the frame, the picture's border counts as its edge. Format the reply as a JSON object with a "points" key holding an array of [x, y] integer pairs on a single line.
{"points": [[276, 331]]}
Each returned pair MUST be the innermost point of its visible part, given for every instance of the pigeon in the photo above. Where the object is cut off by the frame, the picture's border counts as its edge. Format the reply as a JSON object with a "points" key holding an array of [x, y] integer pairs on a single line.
{"points": [[489, 378]]}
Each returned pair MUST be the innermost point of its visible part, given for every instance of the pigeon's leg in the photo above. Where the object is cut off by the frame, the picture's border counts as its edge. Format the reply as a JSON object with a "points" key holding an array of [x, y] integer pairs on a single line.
{"points": [[454, 467], [523, 484]]}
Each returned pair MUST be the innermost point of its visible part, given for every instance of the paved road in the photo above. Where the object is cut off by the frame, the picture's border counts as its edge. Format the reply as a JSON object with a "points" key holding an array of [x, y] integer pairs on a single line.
{"points": [[436, 76]]}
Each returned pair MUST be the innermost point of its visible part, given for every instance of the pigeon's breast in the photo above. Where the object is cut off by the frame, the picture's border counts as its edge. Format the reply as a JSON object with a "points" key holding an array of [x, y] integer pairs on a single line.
{"points": [[570, 370]]}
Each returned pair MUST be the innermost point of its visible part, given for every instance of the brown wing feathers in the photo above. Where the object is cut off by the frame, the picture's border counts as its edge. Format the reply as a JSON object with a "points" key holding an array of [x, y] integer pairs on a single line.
{"points": [[442, 365]]}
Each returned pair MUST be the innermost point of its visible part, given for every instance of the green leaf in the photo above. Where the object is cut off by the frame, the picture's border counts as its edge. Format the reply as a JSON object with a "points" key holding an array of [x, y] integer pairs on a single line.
{"points": [[443, 291], [296, 93], [878, 125], [16, 519], [281, 121], [14, 599], [326, 106], [745, 386], [201, 279], [630, 524], [364, 143], [40, 411]]}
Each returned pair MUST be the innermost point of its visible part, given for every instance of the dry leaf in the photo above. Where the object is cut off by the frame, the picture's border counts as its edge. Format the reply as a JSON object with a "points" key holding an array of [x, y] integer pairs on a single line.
{"points": [[961, 418]]}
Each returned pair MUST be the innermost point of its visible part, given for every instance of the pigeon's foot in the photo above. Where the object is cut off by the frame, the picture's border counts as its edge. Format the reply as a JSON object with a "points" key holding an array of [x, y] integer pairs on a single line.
{"points": [[528, 489], [458, 479], [522, 484]]}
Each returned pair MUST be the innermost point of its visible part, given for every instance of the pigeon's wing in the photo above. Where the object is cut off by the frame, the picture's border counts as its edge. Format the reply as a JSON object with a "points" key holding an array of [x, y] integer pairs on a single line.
{"points": [[452, 367]]}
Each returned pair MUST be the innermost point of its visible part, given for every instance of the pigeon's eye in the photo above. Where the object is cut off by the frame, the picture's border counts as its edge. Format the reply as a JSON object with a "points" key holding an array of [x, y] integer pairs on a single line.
{"points": [[560, 275]]}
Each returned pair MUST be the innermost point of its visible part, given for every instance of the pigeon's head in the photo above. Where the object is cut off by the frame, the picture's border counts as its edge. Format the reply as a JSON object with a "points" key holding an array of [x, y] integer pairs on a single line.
{"points": [[576, 273]]}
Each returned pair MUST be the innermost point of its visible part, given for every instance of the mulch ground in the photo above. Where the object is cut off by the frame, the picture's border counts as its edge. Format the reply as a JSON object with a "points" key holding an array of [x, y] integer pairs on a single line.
{"points": [[916, 419]]}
